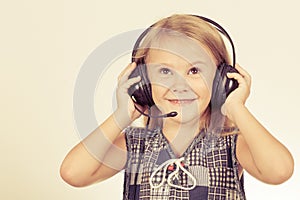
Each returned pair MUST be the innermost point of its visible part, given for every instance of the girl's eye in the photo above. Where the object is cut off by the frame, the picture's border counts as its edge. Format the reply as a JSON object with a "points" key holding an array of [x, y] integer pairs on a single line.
{"points": [[165, 71], [194, 70]]}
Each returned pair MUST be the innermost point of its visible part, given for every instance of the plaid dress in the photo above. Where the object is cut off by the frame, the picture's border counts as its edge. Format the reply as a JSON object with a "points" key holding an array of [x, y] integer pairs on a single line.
{"points": [[213, 165]]}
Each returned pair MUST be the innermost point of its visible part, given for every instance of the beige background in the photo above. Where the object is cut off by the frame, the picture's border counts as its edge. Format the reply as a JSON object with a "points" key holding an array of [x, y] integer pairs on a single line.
{"points": [[44, 43]]}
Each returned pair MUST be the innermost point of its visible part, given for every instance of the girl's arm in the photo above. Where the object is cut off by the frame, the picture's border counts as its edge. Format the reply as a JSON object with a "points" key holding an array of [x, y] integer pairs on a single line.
{"points": [[258, 152], [91, 160], [102, 153]]}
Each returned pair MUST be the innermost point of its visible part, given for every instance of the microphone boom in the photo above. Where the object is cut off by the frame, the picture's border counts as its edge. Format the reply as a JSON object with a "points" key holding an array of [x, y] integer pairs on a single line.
{"points": [[170, 114]]}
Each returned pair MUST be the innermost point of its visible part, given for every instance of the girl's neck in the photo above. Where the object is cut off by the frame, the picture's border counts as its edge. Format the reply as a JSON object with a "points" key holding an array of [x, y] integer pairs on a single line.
{"points": [[180, 135]]}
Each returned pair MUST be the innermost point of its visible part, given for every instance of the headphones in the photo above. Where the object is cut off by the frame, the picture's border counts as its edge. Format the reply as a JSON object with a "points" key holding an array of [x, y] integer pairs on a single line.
{"points": [[141, 93]]}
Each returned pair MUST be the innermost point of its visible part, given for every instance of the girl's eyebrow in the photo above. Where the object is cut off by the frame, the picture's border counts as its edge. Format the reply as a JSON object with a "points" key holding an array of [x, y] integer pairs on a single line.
{"points": [[171, 65], [161, 64], [197, 62]]}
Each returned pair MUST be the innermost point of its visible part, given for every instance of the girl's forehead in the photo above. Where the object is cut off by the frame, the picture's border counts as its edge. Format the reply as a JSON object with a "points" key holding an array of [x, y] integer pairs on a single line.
{"points": [[188, 49]]}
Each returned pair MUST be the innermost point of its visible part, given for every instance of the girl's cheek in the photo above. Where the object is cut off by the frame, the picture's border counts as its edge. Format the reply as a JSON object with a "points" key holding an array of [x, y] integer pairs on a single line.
{"points": [[165, 82], [158, 90], [200, 86]]}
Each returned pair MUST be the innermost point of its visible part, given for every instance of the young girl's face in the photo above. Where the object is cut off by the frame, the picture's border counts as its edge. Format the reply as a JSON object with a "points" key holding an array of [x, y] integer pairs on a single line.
{"points": [[181, 75]]}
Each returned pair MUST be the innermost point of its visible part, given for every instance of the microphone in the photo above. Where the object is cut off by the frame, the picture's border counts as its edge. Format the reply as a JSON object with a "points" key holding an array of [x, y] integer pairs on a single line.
{"points": [[170, 114]]}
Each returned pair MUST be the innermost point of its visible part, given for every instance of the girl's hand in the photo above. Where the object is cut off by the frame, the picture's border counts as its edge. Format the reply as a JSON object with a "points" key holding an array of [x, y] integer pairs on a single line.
{"points": [[126, 112], [239, 96]]}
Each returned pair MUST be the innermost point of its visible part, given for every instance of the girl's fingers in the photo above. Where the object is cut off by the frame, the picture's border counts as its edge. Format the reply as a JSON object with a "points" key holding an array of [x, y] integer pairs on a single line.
{"points": [[123, 82], [236, 76], [244, 73], [126, 72], [240, 79], [132, 81]]}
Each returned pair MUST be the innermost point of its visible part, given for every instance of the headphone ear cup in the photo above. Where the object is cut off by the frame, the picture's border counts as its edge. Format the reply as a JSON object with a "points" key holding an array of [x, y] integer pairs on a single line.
{"points": [[140, 92], [222, 85]]}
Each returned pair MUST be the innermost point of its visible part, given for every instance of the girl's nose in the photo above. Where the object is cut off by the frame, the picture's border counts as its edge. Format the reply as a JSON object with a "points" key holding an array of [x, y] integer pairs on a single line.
{"points": [[179, 85]]}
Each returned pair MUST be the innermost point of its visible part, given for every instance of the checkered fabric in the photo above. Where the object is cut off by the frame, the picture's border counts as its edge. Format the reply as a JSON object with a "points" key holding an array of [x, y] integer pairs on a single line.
{"points": [[213, 164]]}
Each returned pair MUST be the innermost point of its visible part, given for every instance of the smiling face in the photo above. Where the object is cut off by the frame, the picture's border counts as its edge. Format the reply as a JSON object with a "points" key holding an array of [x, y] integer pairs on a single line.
{"points": [[181, 73]]}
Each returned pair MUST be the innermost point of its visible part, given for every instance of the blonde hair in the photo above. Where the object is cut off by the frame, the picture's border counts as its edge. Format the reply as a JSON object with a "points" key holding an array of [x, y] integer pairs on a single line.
{"points": [[190, 26], [196, 29]]}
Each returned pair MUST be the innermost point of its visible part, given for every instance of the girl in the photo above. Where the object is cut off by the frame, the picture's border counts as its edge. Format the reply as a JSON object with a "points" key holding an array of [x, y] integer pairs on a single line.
{"points": [[196, 145]]}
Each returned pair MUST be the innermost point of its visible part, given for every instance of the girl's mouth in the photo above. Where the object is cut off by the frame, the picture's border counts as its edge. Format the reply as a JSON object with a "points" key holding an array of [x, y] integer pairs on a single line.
{"points": [[181, 101]]}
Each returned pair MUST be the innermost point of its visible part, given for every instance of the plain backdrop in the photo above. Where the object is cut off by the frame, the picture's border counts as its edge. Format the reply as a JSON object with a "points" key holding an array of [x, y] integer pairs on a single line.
{"points": [[43, 45]]}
